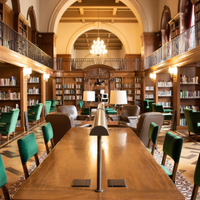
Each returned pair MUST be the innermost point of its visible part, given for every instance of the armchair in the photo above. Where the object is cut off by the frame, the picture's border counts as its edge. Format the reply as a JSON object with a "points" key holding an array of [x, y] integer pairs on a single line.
{"points": [[53, 105], [129, 115], [144, 123], [193, 121], [35, 112], [48, 107], [165, 112], [8, 122], [72, 111], [147, 105]]}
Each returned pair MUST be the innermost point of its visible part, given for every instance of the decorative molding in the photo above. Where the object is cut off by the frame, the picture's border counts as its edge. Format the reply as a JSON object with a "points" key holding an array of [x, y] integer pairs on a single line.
{"points": [[99, 72]]}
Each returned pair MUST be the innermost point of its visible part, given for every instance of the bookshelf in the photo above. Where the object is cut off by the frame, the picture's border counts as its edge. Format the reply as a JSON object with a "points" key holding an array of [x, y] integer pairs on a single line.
{"points": [[118, 83], [165, 88], [149, 88], [79, 89], [34, 89], [59, 90], [128, 85], [188, 93], [175, 26], [138, 91]]}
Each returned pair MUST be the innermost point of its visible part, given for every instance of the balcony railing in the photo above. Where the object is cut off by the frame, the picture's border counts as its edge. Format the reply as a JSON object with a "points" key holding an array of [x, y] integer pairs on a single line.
{"points": [[10, 39], [119, 64], [182, 43]]}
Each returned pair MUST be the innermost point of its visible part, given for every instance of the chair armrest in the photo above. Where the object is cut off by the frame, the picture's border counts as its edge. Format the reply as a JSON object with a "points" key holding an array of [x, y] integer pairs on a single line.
{"points": [[133, 121], [168, 110], [82, 117], [115, 118]]}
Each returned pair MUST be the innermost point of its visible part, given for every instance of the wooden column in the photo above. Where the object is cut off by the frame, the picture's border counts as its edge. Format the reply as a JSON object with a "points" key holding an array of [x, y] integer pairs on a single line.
{"points": [[66, 61], [23, 98], [176, 95], [156, 89], [131, 61], [43, 95]]}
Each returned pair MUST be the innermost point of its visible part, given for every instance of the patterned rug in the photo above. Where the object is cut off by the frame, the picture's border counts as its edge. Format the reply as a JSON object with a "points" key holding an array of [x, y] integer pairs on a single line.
{"points": [[183, 185]]}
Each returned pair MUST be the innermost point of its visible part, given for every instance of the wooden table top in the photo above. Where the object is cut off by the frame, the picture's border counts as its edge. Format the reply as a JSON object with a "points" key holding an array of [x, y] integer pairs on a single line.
{"points": [[75, 157], [109, 123]]}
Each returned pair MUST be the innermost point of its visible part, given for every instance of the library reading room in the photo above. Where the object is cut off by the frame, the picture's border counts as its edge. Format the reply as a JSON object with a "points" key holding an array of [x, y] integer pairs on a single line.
{"points": [[99, 99]]}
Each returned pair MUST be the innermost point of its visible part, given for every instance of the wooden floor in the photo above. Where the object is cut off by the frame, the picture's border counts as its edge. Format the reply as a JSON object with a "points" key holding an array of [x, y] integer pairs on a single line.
{"points": [[10, 156]]}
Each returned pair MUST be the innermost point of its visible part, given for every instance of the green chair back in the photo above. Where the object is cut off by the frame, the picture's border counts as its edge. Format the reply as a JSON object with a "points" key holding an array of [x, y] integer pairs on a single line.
{"points": [[28, 148], [81, 103], [48, 106], [153, 132], [192, 125], [48, 135], [35, 112], [10, 119], [47, 132], [146, 105], [3, 176], [172, 146], [153, 107], [158, 108], [150, 105], [53, 105]]}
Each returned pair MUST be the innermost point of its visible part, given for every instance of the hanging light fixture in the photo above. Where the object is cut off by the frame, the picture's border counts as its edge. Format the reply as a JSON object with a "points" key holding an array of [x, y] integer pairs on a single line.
{"points": [[98, 46]]}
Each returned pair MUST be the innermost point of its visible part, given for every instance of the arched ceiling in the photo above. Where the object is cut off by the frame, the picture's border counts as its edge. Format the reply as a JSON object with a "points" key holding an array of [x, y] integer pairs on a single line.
{"points": [[109, 11], [85, 41]]}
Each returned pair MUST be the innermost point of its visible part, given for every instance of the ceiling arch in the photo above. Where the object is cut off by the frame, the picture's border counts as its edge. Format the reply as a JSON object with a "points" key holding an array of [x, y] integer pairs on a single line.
{"points": [[97, 25], [63, 5]]}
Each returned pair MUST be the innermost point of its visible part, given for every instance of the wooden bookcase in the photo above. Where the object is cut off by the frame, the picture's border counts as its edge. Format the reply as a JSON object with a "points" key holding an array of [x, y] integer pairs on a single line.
{"points": [[197, 22], [149, 88], [59, 90], [188, 92], [79, 89], [175, 26], [164, 90], [118, 83], [129, 86]]}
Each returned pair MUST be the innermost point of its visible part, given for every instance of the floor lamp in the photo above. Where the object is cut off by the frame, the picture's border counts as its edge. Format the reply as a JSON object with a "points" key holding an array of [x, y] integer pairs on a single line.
{"points": [[118, 97], [89, 96]]}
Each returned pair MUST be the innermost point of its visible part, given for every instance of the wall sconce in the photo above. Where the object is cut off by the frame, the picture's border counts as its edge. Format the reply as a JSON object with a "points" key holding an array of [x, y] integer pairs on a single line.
{"points": [[173, 71], [153, 76], [46, 77], [27, 72]]}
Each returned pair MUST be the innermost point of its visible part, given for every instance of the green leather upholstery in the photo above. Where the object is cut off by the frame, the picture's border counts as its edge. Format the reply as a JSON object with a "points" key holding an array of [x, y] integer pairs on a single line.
{"points": [[47, 132], [48, 106], [153, 132], [172, 146], [110, 111], [85, 111], [27, 147], [150, 105], [53, 105], [8, 121], [35, 112], [153, 107], [193, 120], [3, 176], [159, 108], [197, 173], [146, 105]]}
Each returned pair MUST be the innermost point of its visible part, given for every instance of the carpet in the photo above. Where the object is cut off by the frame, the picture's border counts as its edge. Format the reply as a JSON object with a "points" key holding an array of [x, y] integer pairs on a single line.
{"points": [[183, 185]]}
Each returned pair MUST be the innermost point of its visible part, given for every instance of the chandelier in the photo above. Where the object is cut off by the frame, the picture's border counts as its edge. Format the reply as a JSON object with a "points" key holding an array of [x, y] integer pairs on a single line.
{"points": [[98, 46]]}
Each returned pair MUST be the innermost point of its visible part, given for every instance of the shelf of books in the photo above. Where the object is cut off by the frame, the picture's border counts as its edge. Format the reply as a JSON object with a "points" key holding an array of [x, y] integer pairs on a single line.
{"points": [[79, 89], [165, 87], [34, 89], [59, 91], [128, 85], [138, 91], [189, 92], [149, 88], [69, 91], [118, 83], [10, 95]]}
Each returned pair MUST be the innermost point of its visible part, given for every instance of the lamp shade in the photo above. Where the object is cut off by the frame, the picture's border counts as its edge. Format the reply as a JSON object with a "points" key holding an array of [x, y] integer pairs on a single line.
{"points": [[88, 95], [118, 97]]}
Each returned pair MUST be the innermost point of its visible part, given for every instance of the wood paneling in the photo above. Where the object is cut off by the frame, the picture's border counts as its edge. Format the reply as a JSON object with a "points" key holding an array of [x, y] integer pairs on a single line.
{"points": [[8, 16], [66, 61]]}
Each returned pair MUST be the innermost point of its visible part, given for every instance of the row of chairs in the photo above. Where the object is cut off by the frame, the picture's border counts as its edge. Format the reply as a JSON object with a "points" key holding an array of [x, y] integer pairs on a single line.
{"points": [[27, 148], [172, 147]]}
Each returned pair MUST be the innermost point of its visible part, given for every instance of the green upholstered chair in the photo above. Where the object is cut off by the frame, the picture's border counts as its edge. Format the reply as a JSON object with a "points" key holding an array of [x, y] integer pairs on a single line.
{"points": [[3, 180], [28, 148], [110, 111], [48, 106], [196, 180], [8, 122], [48, 135], [150, 105], [53, 105], [172, 146], [146, 105], [84, 111], [193, 121], [35, 112], [152, 135], [166, 113]]}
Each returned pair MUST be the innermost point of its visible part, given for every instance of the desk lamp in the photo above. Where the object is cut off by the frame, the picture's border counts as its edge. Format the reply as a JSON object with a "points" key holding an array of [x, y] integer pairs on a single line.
{"points": [[118, 97], [89, 96]]}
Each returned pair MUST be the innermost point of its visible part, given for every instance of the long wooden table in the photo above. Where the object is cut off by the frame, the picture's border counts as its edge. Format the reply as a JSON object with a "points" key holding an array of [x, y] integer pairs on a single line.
{"points": [[75, 157]]}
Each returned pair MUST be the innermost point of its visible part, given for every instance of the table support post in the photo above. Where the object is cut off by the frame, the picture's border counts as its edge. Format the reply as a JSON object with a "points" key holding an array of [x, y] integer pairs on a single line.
{"points": [[99, 165]]}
